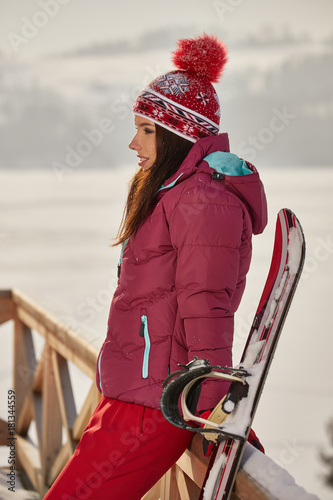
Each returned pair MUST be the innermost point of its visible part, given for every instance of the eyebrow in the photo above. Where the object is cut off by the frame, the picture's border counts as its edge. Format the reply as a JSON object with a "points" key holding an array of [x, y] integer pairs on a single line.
{"points": [[146, 124]]}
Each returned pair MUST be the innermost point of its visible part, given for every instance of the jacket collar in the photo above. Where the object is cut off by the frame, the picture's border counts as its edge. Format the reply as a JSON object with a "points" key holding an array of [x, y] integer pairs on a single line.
{"points": [[247, 187], [201, 148]]}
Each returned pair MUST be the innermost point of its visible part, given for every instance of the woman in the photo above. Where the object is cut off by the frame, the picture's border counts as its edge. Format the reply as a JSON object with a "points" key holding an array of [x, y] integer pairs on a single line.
{"points": [[186, 248]]}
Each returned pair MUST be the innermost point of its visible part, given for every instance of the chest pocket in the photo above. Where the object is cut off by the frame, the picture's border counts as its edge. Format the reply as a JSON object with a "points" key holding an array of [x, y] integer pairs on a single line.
{"points": [[152, 238]]}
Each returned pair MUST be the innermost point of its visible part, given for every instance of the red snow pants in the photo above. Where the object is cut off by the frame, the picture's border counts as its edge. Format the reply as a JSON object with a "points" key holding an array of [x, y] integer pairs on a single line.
{"points": [[125, 449]]}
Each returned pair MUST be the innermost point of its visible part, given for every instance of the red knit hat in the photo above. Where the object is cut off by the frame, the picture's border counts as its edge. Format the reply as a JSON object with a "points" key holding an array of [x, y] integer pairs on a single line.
{"points": [[184, 101]]}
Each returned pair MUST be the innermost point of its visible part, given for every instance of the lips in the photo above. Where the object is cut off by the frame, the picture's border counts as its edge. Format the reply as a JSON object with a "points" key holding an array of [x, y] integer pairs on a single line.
{"points": [[142, 160]]}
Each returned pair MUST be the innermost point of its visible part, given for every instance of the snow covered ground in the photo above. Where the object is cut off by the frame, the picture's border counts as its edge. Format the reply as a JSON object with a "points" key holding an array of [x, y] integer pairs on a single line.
{"points": [[54, 246]]}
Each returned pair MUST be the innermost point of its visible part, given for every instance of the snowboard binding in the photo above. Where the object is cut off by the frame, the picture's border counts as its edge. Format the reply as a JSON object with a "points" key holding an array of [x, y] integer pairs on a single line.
{"points": [[182, 391]]}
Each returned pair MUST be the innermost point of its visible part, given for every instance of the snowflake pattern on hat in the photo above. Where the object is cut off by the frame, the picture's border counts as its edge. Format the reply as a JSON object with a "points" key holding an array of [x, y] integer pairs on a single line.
{"points": [[173, 83], [203, 98], [188, 128], [157, 113]]}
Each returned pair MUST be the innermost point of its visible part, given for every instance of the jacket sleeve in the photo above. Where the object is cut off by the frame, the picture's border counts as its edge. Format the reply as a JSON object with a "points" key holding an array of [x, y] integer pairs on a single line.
{"points": [[207, 232]]}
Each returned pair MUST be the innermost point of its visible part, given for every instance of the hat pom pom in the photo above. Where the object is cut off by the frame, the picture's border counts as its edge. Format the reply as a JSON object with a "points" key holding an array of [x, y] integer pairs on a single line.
{"points": [[204, 55]]}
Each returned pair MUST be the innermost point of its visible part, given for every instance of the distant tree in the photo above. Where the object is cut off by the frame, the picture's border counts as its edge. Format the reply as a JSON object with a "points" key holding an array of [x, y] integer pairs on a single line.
{"points": [[327, 457]]}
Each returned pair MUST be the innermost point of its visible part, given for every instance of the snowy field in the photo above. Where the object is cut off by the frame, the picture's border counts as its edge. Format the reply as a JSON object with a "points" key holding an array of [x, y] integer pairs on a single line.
{"points": [[54, 246]]}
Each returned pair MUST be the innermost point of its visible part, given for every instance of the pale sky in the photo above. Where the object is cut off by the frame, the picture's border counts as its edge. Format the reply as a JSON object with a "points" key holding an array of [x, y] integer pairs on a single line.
{"points": [[69, 24]]}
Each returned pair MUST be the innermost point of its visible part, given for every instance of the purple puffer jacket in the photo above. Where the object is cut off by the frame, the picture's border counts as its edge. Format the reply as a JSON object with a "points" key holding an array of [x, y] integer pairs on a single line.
{"points": [[181, 280]]}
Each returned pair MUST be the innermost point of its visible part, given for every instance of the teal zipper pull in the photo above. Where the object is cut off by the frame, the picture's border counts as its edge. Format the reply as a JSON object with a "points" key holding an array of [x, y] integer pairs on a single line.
{"points": [[144, 330]]}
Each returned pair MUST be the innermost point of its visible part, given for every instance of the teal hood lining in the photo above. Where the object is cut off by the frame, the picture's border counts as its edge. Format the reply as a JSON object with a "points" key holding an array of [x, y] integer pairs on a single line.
{"points": [[227, 164]]}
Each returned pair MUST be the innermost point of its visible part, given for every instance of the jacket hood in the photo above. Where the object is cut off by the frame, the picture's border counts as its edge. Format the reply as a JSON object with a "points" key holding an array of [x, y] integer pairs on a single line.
{"points": [[247, 186]]}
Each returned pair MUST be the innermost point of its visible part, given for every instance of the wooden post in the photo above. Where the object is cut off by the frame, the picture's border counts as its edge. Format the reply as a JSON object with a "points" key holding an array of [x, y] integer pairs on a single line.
{"points": [[23, 369], [51, 416], [7, 307], [65, 396]]}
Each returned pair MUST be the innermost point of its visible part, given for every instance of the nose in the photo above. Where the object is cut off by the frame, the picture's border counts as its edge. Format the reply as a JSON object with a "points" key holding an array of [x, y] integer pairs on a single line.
{"points": [[134, 144]]}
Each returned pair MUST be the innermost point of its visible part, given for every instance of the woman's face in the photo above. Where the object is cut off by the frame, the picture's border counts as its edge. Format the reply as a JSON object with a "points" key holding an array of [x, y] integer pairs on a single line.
{"points": [[144, 142]]}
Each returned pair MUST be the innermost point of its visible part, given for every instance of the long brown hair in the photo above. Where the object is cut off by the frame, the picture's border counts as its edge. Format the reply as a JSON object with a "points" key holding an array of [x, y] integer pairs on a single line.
{"points": [[171, 150]]}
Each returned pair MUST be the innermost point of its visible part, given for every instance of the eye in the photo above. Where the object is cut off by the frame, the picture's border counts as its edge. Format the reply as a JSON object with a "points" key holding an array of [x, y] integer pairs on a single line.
{"points": [[148, 131]]}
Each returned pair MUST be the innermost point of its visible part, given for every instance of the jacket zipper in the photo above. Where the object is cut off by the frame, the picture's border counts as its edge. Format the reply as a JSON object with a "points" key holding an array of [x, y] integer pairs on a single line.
{"points": [[121, 259], [99, 372], [169, 185], [144, 333]]}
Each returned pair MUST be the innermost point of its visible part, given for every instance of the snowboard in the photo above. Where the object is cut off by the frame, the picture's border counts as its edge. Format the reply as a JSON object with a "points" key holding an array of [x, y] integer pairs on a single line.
{"points": [[234, 415]]}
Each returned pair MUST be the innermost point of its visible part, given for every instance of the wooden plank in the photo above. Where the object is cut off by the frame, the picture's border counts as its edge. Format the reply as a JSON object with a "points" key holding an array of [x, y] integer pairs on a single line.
{"points": [[7, 308], [64, 340], [182, 484], [187, 487], [174, 492], [165, 486], [28, 457], [25, 417], [3, 432], [246, 488], [193, 462], [193, 467], [53, 325], [24, 363], [24, 367], [65, 395], [19, 360], [37, 411], [51, 417], [37, 384]]}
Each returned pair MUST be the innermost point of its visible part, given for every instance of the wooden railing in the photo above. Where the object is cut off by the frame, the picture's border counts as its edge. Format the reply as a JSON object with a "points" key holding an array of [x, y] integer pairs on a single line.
{"points": [[43, 389], [44, 395]]}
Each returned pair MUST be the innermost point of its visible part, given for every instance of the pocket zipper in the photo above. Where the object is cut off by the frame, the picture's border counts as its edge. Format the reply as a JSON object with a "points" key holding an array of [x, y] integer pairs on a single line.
{"points": [[99, 372], [144, 333]]}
